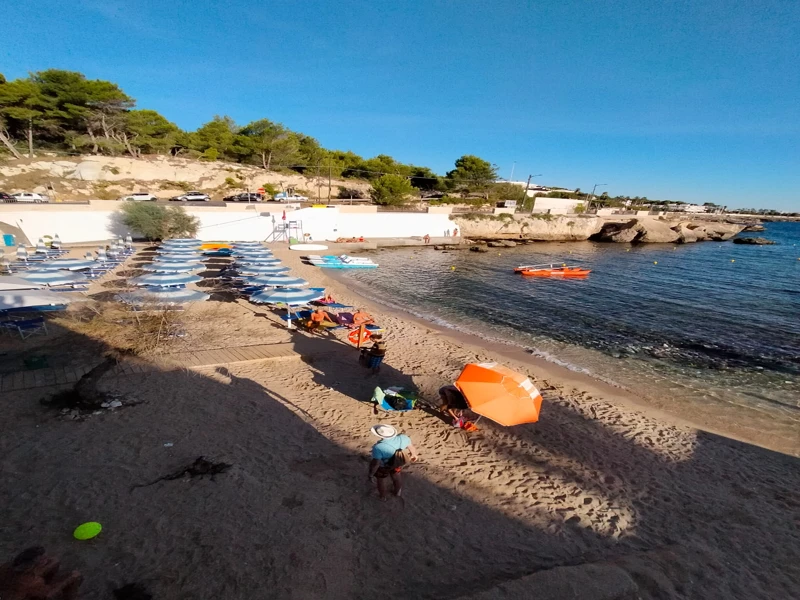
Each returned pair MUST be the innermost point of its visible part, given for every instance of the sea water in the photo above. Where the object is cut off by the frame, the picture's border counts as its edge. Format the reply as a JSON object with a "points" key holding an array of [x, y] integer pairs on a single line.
{"points": [[712, 321]]}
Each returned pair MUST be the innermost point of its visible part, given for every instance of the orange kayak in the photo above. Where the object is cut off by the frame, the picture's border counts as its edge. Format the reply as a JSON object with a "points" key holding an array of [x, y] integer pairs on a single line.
{"points": [[557, 272]]}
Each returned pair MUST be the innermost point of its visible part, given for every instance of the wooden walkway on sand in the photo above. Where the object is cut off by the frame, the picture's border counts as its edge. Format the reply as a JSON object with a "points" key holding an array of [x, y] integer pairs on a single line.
{"points": [[23, 380]]}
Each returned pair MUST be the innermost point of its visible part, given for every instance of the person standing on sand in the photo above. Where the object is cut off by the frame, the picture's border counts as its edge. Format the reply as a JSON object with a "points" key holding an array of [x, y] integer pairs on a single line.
{"points": [[426, 238], [389, 456], [455, 232]]}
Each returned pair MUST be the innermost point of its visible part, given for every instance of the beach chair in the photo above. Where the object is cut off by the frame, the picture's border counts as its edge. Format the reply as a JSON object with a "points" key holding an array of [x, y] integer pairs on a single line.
{"points": [[27, 327]]}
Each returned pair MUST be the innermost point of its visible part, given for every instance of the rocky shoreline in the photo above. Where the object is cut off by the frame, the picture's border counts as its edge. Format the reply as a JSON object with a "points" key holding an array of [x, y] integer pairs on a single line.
{"points": [[639, 230]]}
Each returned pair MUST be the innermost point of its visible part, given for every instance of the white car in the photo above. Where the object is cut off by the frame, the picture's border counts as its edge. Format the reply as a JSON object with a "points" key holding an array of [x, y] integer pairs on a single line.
{"points": [[29, 197], [139, 197], [192, 196], [284, 197]]}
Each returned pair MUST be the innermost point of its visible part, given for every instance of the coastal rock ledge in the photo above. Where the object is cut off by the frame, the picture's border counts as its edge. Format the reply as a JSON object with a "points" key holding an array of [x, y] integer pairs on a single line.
{"points": [[754, 241], [654, 231]]}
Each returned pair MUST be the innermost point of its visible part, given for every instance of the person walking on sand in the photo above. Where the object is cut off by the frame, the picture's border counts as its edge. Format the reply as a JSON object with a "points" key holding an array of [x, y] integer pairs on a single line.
{"points": [[389, 455], [426, 238], [455, 232]]}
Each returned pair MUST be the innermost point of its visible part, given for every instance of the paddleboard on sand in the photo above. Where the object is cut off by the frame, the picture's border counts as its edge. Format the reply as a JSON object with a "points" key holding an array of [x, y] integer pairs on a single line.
{"points": [[307, 247]]}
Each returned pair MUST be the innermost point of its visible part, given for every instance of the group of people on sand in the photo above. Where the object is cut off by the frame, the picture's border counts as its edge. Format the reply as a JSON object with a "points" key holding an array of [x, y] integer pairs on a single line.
{"points": [[394, 450]]}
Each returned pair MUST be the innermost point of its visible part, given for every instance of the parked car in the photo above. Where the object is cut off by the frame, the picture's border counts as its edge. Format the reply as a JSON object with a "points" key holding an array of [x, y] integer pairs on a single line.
{"points": [[6, 197], [192, 196], [29, 197], [244, 197], [139, 197], [284, 197]]}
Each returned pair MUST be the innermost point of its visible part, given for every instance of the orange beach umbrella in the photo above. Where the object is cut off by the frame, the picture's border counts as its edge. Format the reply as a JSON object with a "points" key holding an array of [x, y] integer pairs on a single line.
{"points": [[500, 394]]}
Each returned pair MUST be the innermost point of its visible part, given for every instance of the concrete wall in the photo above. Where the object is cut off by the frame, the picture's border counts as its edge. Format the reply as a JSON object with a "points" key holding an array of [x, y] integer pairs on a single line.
{"points": [[556, 206], [99, 221]]}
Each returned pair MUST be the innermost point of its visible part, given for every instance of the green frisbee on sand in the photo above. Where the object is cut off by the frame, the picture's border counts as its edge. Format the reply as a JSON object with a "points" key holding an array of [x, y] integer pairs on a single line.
{"points": [[87, 531]]}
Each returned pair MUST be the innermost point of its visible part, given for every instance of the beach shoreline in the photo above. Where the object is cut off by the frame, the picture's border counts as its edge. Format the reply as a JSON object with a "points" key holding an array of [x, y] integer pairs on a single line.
{"points": [[710, 417]]}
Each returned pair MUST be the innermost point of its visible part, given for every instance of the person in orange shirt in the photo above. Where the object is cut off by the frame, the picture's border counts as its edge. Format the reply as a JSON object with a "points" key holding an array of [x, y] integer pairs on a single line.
{"points": [[317, 319]]}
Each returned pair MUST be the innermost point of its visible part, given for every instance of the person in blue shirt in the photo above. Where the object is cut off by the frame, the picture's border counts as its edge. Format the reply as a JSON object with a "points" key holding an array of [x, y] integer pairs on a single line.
{"points": [[386, 462]]}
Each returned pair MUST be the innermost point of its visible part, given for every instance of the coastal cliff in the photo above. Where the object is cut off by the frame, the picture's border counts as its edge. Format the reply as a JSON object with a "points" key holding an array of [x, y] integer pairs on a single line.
{"points": [[581, 228]]}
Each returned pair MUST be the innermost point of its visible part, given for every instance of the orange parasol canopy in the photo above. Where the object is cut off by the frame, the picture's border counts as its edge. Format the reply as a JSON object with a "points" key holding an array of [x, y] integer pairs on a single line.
{"points": [[500, 394]]}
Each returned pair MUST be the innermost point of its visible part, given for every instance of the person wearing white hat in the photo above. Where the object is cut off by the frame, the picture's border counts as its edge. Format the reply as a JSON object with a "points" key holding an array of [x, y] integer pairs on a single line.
{"points": [[389, 455]]}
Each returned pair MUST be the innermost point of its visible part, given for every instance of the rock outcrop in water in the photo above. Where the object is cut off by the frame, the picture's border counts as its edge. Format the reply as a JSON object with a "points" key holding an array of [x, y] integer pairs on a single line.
{"points": [[754, 241], [654, 231]]}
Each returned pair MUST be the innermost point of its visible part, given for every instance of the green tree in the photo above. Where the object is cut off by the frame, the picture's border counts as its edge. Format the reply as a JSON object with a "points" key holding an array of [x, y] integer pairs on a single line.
{"points": [[472, 174], [156, 222], [391, 190], [218, 133], [21, 105], [274, 143], [150, 132]]}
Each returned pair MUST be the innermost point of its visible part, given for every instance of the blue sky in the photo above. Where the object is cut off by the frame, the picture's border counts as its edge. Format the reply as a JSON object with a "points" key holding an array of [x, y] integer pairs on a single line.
{"points": [[694, 100]]}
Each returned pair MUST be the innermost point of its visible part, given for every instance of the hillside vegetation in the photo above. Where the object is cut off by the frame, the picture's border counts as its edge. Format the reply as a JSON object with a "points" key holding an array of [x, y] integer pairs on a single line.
{"points": [[63, 112]]}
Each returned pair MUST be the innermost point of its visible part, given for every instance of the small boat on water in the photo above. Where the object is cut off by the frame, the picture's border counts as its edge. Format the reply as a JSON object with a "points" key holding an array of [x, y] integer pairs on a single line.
{"points": [[550, 270]]}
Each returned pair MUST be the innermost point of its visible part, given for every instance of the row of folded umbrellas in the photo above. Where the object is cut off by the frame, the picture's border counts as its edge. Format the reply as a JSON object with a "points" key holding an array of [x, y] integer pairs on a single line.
{"points": [[178, 261]]}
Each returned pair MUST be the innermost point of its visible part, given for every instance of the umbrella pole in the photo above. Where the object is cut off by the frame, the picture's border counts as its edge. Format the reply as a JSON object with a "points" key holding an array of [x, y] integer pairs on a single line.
{"points": [[289, 317]]}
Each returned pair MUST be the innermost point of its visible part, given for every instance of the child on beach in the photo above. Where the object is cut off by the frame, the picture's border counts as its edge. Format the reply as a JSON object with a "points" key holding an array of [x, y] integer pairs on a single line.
{"points": [[389, 456]]}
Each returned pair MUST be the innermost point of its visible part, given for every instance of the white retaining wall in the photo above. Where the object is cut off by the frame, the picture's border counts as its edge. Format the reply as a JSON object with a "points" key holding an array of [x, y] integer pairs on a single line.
{"points": [[95, 222]]}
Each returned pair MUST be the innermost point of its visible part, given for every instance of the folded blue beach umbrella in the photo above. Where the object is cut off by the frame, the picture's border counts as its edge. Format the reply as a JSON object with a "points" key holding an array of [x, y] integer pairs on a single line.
{"points": [[278, 281], [173, 267], [68, 264], [52, 277], [165, 279], [288, 296], [162, 296]]}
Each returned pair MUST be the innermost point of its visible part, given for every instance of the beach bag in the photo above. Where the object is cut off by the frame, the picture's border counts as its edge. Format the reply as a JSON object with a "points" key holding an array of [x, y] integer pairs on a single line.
{"points": [[400, 459]]}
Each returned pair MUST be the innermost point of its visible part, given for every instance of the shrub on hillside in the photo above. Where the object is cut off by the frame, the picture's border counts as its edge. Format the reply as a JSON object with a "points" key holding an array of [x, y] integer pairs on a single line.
{"points": [[352, 193], [156, 222]]}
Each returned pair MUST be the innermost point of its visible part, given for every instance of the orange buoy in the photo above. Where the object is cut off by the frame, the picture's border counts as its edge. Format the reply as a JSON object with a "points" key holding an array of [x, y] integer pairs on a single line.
{"points": [[353, 336]]}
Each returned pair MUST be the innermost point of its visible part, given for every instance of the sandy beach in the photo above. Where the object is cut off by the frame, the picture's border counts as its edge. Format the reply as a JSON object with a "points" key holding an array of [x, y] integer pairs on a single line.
{"points": [[604, 497]]}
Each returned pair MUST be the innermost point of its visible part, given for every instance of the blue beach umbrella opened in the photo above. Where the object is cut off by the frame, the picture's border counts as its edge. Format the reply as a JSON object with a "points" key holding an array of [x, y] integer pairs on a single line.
{"points": [[165, 279], [279, 281], [288, 296], [162, 296], [53, 277], [173, 267], [68, 264]]}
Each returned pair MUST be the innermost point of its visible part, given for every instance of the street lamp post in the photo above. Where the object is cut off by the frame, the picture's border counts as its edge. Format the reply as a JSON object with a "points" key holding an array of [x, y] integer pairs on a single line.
{"points": [[525, 197], [591, 196]]}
